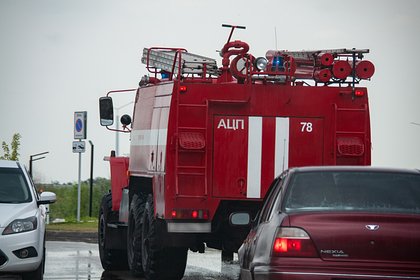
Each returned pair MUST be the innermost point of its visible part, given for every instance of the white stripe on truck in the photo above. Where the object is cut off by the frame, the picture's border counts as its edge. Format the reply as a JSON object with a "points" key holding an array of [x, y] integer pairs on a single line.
{"points": [[282, 146], [254, 157]]}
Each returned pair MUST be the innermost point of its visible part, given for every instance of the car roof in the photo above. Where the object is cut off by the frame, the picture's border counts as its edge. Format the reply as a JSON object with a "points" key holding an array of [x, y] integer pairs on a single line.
{"points": [[355, 169], [9, 164]]}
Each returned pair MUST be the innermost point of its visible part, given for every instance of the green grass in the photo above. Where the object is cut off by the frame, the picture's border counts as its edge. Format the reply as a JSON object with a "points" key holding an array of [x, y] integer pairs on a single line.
{"points": [[87, 225]]}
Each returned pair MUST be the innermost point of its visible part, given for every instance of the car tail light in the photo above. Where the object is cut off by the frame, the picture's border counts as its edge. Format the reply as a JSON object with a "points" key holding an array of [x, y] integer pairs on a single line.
{"points": [[293, 242]]}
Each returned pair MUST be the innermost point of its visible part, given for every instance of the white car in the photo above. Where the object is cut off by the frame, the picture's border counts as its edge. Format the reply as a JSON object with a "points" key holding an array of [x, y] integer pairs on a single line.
{"points": [[22, 223]]}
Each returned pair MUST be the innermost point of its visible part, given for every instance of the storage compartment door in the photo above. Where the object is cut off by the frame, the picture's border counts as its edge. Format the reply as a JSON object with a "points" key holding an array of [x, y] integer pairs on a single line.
{"points": [[306, 142], [230, 155]]}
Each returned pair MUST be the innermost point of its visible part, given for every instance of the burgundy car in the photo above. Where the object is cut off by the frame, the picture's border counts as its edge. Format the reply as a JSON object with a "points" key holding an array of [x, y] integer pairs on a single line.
{"points": [[336, 223]]}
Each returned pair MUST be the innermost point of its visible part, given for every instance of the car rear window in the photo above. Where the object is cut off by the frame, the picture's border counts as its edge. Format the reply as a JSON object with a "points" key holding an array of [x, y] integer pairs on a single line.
{"points": [[13, 186], [383, 192]]}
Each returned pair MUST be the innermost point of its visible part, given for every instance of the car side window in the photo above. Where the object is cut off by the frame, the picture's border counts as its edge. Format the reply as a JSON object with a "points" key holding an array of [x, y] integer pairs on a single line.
{"points": [[269, 199]]}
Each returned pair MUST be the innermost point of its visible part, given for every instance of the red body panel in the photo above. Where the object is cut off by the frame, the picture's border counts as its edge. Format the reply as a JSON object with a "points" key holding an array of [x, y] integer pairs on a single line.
{"points": [[119, 179]]}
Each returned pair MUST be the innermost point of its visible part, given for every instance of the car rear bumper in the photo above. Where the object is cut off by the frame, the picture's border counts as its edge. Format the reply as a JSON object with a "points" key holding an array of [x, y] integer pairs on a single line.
{"points": [[344, 273], [326, 276]]}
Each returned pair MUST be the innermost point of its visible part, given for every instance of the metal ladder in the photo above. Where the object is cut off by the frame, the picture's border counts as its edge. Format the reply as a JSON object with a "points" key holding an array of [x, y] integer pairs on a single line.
{"points": [[310, 54], [168, 60]]}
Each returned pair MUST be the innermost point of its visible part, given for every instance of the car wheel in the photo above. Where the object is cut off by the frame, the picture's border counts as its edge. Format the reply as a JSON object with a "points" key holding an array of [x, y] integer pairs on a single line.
{"points": [[159, 262], [134, 234], [110, 259]]}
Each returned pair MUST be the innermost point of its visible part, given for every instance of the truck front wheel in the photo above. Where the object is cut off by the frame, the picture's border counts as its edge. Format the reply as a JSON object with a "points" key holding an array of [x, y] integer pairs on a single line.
{"points": [[134, 234], [159, 262], [111, 259]]}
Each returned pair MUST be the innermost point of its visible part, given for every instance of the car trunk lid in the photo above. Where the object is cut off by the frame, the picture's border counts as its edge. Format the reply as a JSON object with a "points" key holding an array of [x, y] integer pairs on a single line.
{"points": [[362, 236]]}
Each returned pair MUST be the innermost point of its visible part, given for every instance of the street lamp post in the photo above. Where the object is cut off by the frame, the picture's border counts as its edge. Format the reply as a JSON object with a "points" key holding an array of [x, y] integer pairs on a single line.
{"points": [[32, 158], [91, 178]]}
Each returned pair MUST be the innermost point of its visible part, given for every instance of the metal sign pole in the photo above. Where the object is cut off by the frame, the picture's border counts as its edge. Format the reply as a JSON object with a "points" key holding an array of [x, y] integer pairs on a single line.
{"points": [[80, 125], [79, 188]]}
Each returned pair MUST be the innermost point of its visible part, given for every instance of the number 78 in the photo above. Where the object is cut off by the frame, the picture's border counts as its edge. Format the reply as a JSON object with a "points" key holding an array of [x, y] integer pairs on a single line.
{"points": [[306, 126]]}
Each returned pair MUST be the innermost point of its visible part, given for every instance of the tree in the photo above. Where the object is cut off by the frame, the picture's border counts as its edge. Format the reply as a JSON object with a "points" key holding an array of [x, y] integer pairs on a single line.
{"points": [[14, 155]]}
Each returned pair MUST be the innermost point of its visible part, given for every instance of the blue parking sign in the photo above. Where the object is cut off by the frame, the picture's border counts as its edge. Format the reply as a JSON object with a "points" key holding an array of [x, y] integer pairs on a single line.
{"points": [[80, 121]]}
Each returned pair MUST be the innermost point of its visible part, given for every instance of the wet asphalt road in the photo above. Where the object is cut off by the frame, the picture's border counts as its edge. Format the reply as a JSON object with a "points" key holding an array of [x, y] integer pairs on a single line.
{"points": [[79, 260]]}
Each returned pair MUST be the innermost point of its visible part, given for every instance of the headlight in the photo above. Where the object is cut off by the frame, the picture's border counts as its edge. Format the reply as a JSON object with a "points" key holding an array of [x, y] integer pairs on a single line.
{"points": [[261, 63], [21, 225]]}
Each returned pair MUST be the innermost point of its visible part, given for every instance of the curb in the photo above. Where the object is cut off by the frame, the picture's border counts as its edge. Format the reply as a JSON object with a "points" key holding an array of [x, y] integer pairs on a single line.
{"points": [[73, 236]]}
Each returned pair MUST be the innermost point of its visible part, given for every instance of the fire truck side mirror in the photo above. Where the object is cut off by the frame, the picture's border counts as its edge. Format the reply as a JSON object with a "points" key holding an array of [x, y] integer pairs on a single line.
{"points": [[106, 111]]}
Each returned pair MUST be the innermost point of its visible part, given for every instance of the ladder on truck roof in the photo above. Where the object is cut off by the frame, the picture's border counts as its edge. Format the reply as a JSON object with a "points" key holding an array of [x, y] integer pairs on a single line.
{"points": [[178, 62], [335, 52]]}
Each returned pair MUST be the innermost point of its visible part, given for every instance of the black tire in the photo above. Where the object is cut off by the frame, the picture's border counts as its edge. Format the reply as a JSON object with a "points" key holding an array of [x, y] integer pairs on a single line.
{"points": [[134, 234], [110, 259], [159, 262], [227, 256]]}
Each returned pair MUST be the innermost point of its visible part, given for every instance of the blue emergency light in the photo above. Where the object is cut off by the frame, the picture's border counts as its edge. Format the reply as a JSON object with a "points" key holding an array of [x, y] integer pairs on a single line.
{"points": [[277, 64]]}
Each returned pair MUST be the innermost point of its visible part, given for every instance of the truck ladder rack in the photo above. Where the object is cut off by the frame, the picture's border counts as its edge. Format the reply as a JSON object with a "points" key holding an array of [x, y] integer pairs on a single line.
{"points": [[308, 55], [178, 61]]}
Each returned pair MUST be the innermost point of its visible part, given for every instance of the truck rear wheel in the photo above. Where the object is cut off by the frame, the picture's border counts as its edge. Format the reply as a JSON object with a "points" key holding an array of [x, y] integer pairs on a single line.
{"points": [[134, 239], [111, 259], [227, 256], [159, 262]]}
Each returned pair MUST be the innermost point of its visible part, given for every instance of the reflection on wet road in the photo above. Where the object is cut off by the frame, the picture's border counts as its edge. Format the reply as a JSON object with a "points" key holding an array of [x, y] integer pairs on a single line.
{"points": [[78, 260], [72, 260]]}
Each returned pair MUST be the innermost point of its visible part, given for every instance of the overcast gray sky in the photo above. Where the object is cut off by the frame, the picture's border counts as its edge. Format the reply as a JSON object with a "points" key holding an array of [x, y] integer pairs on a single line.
{"points": [[58, 57]]}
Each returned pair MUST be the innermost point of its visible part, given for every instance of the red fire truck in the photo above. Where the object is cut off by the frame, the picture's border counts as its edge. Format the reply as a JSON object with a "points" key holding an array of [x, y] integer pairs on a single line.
{"points": [[207, 141]]}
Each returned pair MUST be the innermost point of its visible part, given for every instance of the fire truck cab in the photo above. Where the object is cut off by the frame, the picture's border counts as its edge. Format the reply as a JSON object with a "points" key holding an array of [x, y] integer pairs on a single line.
{"points": [[207, 141]]}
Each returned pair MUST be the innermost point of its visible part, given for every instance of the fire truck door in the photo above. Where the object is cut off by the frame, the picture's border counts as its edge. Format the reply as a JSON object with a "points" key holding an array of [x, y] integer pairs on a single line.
{"points": [[229, 156], [250, 151]]}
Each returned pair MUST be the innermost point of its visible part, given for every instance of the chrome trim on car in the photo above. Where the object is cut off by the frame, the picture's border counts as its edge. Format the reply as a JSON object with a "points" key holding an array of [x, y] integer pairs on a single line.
{"points": [[372, 227]]}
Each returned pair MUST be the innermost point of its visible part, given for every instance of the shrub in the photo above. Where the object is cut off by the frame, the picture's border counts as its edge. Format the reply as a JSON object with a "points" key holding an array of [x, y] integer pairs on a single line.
{"points": [[66, 205]]}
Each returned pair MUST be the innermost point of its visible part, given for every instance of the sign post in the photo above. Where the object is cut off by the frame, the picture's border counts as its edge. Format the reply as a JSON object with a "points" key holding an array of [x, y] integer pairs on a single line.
{"points": [[80, 131]]}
